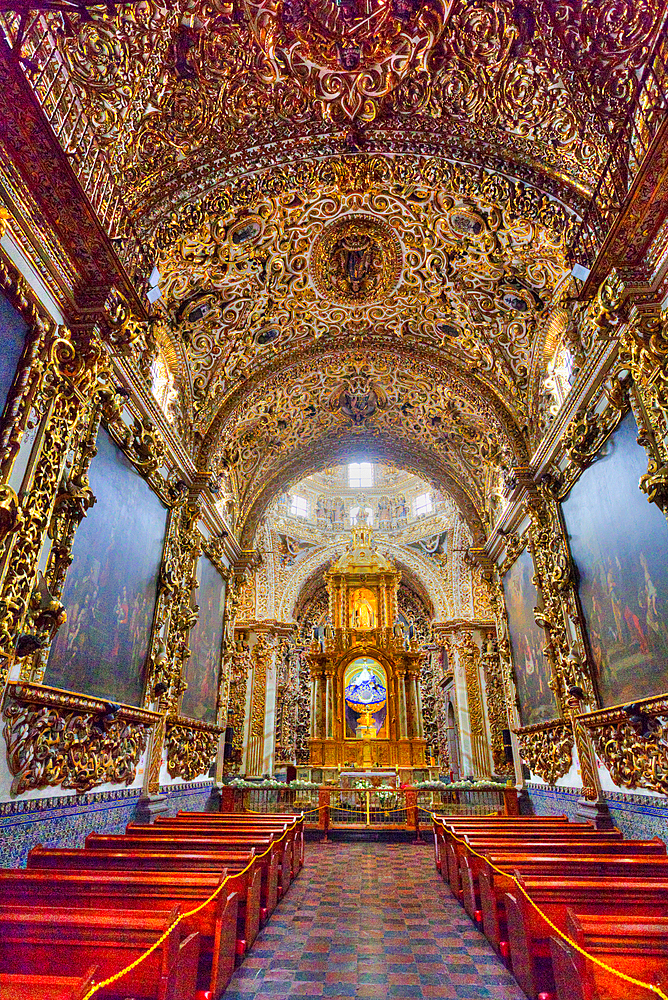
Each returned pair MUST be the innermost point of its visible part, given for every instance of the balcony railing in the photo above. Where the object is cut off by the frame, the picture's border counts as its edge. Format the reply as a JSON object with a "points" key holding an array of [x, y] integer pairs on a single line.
{"points": [[633, 142], [330, 808]]}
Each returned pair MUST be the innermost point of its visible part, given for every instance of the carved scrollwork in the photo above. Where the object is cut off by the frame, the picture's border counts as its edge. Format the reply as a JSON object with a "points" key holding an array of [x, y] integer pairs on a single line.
{"points": [[57, 739], [11, 516], [496, 704], [191, 747], [547, 749], [589, 431], [633, 743], [643, 349]]}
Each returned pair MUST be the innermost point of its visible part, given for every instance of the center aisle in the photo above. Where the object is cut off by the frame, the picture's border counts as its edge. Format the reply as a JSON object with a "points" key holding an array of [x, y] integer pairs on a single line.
{"points": [[371, 920]]}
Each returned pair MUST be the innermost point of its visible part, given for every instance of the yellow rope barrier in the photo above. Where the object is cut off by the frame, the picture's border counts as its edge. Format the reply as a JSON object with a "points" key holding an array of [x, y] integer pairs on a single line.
{"points": [[592, 958], [191, 913], [183, 916]]}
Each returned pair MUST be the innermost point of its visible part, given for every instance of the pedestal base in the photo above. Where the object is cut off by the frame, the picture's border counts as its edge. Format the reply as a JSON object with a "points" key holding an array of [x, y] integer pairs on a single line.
{"points": [[597, 811], [213, 803], [369, 753], [150, 806]]}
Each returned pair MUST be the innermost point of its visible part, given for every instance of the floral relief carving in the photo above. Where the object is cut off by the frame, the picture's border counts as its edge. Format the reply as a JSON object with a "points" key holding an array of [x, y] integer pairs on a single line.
{"points": [[633, 743], [547, 749], [191, 748], [55, 739]]}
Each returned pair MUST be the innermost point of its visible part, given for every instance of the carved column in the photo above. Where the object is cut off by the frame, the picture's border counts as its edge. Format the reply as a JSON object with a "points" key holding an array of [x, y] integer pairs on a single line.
{"points": [[403, 713], [470, 654]]}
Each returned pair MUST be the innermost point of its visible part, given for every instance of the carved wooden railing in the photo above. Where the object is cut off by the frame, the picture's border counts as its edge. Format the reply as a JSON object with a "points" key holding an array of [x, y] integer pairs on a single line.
{"points": [[632, 741], [58, 738], [547, 748], [191, 746]]}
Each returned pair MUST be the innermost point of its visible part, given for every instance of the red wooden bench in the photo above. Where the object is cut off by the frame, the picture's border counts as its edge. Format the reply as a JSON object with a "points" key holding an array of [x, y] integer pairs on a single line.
{"points": [[109, 890], [274, 840], [446, 828], [494, 886], [292, 819], [635, 945], [37, 942], [270, 852], [247, 884], [464, 863], [24, 987], [247, 823], [529, 935]]}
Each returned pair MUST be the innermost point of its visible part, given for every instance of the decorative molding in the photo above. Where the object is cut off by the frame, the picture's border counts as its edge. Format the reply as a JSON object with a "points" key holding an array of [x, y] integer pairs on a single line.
{"points": [[57, 738], [632, 742], [191, 747], [547, 749]]}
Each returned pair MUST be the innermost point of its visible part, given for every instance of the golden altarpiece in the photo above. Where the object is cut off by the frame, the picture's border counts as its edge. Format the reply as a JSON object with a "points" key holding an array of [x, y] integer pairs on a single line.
{"points": [[365, 674]]}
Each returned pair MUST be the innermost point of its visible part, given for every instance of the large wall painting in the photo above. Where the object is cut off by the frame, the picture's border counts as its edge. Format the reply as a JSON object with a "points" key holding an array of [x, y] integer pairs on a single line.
{"points": [[206, 638], [619, 543], [13, 329], [527, 639], [111, 586]]}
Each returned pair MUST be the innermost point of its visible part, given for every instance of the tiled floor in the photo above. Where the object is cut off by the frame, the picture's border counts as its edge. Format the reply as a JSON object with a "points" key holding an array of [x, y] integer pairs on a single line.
{"points": [[371, 920]]}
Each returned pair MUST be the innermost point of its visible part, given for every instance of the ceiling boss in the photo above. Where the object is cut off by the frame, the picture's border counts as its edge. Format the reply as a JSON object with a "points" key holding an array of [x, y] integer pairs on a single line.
{"points": [[356, 259], [346, 54]]}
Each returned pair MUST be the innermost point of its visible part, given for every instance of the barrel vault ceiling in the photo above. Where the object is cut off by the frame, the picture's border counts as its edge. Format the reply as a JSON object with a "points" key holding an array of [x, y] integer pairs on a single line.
{"points": [[361, 213]]}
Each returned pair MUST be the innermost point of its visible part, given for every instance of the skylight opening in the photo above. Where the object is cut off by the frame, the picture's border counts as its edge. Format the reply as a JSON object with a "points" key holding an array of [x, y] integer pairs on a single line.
{"points": [[360, 475], [299, 507], [423, 505]]}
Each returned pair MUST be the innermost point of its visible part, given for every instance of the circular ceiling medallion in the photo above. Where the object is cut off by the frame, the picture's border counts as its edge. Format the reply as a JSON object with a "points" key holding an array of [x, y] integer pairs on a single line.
{"points": [[356, 260]]}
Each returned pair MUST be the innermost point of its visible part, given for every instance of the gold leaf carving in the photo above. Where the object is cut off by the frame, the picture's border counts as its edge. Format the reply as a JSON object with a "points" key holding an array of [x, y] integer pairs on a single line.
{"points": [[57, 739], [547, 749], [191, 747]]}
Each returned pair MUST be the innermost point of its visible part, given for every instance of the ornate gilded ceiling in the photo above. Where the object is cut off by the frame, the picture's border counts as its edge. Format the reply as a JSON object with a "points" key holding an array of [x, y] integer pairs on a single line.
{"points": [[361, 213], [182, 95]]}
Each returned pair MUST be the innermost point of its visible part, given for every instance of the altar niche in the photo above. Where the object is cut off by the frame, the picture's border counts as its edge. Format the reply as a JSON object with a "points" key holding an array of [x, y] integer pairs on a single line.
{"points": [[365, 693], [365, 696]]}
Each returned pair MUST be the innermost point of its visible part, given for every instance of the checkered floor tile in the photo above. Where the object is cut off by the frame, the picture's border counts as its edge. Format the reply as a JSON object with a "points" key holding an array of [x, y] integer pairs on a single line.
{"points": [[371, 920]]}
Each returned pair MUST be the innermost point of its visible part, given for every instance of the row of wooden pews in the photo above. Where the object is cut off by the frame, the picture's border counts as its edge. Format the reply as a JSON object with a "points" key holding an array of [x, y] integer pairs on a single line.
{"points": [[607, 894], [83, 914]]}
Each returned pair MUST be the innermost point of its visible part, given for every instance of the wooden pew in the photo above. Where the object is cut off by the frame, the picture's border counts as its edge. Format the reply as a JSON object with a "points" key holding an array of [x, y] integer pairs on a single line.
{"points": [[216, 923], [35, 942], [446, 829], [287, 849], [296, 822], [635, 945], [270, 852], [529, 935], [274, 837], [23, 987], [494, 886], [463, 864], [247, 884]]}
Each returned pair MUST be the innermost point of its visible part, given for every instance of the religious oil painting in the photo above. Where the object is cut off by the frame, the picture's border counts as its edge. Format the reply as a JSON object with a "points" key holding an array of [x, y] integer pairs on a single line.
{"points": [[111, 586], [206, 638], [527, 639], [365, 690], [13, 329], [619, 543]]}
